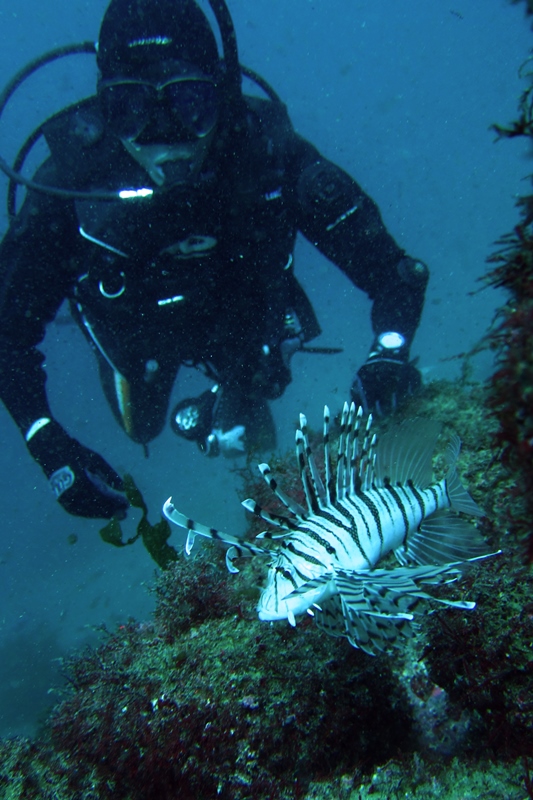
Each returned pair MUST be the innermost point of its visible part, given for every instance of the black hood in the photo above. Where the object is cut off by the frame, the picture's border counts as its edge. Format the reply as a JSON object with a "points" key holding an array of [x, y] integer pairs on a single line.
{"points": [[136, 34]]}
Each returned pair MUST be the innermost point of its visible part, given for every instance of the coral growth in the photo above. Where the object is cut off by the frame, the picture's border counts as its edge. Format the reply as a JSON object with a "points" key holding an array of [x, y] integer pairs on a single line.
{"points": [[229, 709], [483, 659]]}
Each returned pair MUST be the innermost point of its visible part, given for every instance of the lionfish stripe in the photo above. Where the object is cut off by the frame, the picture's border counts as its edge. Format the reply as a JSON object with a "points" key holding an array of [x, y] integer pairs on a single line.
{"points": [[435, 494], [394, 494], [356, 512], [418, 497], [338, 514], [304, 554], [386, 507], [366, 500], [415, 513], [318, 535], [309, 585]]}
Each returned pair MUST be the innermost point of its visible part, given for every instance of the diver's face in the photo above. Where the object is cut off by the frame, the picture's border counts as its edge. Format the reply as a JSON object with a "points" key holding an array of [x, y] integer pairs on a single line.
{"points": [[165, 121], [170, 163]]}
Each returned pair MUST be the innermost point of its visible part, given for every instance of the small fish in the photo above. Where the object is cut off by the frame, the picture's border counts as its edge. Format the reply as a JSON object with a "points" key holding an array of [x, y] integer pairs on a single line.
{"points": [[381, 499]]}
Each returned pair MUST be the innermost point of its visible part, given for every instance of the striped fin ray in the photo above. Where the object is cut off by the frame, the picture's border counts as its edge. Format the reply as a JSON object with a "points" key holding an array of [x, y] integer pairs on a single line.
{"points": [[350, 455], [311, 495], [357, 453], [312, 470], [238, 548], [363, 462], [294, 507], [375, 609], [352, 444], [348, 449], [459, 497], [444, 537], [342, 465], [373, 635], [406, 453], [277, 520], [330, 485]]}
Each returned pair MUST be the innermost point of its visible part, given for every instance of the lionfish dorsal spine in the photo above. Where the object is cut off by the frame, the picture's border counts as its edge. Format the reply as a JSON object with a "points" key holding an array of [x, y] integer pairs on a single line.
{"points": [[315, 478], [294, 507], [311, 497], [330, 484], [341, 457], [276, 520], [368, 458]]}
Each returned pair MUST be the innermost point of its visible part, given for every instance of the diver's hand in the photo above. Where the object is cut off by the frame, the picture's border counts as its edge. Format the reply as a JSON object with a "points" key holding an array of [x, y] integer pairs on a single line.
{"points": [[383, 384], [81, 480], [230, 443]]}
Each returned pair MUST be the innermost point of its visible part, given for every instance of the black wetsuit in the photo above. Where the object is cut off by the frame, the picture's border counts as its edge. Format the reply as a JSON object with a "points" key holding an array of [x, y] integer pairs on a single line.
{"points": [[201, 277]]}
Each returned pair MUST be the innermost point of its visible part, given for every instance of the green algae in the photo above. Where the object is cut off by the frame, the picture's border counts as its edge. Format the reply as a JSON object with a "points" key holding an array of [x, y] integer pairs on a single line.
{"points": [[154, 537]]}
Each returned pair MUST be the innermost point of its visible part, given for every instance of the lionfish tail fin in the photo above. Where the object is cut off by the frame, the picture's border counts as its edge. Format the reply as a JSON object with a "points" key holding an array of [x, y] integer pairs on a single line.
{"points": [[443, 538], [459, 497]]}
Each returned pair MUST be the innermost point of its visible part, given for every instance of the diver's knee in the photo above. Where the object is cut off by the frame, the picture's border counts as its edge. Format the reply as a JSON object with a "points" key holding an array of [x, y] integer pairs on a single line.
{"points": [[413, 272]]}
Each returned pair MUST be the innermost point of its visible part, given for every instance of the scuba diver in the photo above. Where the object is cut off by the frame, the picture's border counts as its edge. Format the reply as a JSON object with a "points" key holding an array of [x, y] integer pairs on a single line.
{"points": [[167, 214]]}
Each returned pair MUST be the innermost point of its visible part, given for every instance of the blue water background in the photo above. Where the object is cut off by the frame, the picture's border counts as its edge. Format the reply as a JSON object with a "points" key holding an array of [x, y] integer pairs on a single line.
{"points": [[401, 93]]}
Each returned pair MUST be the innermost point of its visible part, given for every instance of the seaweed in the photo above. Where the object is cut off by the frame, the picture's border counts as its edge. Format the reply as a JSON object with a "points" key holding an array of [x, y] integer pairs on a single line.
{"points": [[154, 537], [510, 398]]}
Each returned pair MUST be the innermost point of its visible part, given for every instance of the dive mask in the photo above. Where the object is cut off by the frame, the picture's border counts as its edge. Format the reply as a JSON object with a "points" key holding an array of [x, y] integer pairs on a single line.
{"points": [[184, 103]]}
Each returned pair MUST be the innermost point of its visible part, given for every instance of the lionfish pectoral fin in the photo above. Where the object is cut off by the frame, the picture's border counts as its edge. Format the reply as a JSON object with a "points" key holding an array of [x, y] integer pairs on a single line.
{"points": [[311, 593], [397, 591], [372, 634], [443, 538], [378, 593], [375, 610]]}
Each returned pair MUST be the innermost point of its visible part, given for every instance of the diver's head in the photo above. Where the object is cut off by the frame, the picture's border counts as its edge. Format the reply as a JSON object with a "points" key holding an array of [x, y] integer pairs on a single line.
{"points": [[159, 84]]}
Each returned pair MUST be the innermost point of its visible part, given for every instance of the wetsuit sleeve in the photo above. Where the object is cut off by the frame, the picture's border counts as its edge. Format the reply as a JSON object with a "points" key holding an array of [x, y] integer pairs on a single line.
{"points": [[36, 275], [345, 224]]}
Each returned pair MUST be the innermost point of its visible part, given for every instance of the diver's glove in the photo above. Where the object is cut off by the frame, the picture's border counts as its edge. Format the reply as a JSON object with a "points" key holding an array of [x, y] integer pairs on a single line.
{"points": [[230, 443], [81, 480], [194, 419], [387, 378]]}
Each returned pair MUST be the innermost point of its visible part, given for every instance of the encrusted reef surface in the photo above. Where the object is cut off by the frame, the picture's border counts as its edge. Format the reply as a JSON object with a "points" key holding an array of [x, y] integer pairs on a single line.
{"points": [[204, 701]]}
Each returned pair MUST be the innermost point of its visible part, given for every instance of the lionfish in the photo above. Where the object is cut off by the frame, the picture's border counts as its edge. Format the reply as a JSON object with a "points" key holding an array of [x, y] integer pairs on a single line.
{"points": [[324, 557]]}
